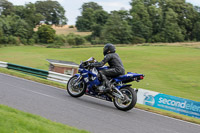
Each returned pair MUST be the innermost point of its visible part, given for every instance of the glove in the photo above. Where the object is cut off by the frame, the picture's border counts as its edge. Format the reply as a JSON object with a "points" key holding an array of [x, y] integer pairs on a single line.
{"points": [[88, 64]]}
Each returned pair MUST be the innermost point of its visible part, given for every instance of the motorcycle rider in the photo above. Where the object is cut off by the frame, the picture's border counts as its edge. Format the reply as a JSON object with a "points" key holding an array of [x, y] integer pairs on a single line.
{"points": [[116, 67]]}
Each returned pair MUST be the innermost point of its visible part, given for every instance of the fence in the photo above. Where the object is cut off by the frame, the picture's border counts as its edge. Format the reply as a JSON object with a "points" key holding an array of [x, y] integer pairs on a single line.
{"points": [[53, 76]]}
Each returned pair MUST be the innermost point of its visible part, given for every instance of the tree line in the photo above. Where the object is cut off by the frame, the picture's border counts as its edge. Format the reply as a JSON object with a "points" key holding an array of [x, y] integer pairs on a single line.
{"points": [[17, 23], [146, 21]]}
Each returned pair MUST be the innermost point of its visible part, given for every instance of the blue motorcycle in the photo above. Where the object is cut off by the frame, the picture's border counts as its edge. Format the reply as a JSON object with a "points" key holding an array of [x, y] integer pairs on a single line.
{"points": [[88, 82]]}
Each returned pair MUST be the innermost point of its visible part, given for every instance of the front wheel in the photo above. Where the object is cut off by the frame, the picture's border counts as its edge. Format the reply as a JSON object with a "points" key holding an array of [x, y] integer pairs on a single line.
{"points": [[76, 87], [129, 100]]}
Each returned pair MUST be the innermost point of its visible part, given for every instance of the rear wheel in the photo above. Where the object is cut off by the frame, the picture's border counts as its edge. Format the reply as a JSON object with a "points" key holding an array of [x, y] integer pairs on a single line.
{"points": [[129, 100], [75, 89]]}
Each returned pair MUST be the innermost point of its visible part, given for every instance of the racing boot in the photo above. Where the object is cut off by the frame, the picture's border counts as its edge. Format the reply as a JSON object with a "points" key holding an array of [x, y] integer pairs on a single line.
{"points": [[106, 83], [108, 87]]}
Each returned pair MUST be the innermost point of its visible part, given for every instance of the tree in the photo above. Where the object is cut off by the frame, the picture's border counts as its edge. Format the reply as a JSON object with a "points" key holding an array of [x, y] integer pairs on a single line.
{"points": [[91, 14], [156, 18], [85, 22], [90, 5], [53, 12], [187, 16], [196, 32], [46, 34], [28, 13], [100, 17], [14, 30], [6, 8], [117, 30], [171, 32], [140, 22]]}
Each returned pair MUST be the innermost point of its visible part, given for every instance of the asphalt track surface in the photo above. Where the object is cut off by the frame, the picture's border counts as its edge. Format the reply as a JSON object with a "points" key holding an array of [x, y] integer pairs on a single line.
{"points": [[94, 115]]}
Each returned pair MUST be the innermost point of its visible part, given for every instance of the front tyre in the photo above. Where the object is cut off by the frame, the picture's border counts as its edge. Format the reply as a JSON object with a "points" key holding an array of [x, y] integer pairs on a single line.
{"points": [[129, 100], [76, 88]]}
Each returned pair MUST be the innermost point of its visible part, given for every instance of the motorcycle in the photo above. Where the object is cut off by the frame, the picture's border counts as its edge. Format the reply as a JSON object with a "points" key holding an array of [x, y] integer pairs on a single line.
{"points": [[88, 82]]}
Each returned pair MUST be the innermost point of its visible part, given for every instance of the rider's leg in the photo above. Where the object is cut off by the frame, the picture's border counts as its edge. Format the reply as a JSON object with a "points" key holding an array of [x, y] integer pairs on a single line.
{"points": [[108, 73]]}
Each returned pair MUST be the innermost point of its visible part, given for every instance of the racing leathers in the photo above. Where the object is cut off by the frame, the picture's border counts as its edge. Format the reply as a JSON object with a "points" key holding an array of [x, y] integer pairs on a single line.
{"points": [[116, 68]]}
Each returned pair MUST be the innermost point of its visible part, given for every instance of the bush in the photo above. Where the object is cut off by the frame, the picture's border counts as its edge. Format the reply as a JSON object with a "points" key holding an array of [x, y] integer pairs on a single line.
{"points": [[24, 41], [137, 40], [71, 26], [31, 41], [13, 40], [35, 38], [46, 34], [98, 41], [73, 39], [60, 39], [79, 40], [53, 45], [9, 40], [4, 40]]}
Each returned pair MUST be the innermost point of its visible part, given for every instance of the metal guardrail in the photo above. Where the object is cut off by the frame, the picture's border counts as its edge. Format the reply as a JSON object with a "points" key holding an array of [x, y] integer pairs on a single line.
{"points": [[58, 77], [28, 70], [3, 64], [53, 76]]}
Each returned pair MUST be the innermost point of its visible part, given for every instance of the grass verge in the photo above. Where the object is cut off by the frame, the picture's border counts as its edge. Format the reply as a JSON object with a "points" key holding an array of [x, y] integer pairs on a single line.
{"points": [[139, 106], [172, 70], [15, 121]]}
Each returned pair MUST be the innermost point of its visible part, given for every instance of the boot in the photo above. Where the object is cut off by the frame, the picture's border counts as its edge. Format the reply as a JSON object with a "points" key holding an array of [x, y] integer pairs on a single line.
{"points": [[106, 83], [108, 86]]}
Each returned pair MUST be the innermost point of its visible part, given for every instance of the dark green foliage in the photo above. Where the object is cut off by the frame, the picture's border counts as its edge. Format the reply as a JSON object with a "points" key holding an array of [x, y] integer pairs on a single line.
{"points": [[17, 22], [73, 39], [6, 8], [52, 11], [91, 14], [196, 31], [140, 22], [164, 20], [85, 22], [90, 5], [117, 30], [14, 27], [59, 41], [71, 26], [138, 40], [9, 40], [46, 34], [29, 14]]}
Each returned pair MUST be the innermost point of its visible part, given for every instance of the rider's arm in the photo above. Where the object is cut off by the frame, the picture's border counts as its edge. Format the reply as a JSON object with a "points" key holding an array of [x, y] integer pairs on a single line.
{"points": [[102, 63]]}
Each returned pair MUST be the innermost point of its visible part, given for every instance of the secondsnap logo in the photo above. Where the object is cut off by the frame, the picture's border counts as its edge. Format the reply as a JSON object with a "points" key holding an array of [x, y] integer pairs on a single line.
{"points": [[180, 103], [172, 102], [149, 99]]}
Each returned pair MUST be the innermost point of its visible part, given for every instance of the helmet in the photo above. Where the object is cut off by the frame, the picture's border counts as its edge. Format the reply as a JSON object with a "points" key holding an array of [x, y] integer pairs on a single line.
{"points": [[108, 48]]}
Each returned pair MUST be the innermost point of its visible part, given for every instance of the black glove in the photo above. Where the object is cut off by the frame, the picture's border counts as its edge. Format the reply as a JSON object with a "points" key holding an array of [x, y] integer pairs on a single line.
{"points": [[88, 64]]}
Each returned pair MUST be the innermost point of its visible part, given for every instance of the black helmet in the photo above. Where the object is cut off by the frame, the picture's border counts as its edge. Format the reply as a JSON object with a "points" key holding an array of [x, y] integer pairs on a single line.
{"points": [[108, 48]]}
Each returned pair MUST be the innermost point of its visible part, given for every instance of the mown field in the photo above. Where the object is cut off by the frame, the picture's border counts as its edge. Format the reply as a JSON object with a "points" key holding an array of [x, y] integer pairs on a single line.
{"points": [[15, 121], [172, 70], [65, 30]]}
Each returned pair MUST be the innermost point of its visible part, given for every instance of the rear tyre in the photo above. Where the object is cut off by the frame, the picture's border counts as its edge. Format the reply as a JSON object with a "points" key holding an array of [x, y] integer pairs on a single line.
{"points": [[129, 101], [78, 90]]}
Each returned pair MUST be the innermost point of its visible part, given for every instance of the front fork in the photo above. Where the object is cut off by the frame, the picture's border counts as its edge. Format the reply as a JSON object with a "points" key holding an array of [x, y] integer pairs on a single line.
{"points": [[77, 81]]}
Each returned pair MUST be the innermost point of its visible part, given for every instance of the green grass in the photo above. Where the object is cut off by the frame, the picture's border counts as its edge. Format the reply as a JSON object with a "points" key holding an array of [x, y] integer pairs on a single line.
{"points": [[143, 107], [168, 69], [172, 70], [14, 121]]}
